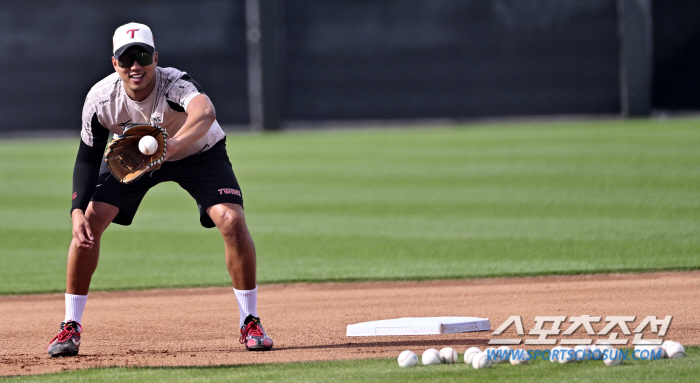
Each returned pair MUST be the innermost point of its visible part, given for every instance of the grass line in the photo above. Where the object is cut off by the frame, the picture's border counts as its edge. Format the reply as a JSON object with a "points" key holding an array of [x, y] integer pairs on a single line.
{"points": [[387, 370]]}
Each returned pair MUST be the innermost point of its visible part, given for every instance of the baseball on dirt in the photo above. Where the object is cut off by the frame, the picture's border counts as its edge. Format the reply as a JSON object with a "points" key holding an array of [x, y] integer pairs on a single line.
{"points": [[148, 145], [408, 358], [469, 354], [449, 355], [431, 356]]}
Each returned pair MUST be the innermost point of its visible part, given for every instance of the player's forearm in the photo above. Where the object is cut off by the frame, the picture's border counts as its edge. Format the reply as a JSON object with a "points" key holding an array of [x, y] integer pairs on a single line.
{"points": [[85, 174], [87, 167], [200, 116]]}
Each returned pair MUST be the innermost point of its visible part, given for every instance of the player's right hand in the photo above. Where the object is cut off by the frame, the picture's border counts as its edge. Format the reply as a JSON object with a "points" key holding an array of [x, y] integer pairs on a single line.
{"points": [[82, 233]]}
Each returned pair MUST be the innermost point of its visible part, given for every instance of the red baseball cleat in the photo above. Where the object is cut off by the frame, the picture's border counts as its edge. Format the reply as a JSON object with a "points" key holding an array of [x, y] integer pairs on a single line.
{"points": [[67, 342], [253, 335]]}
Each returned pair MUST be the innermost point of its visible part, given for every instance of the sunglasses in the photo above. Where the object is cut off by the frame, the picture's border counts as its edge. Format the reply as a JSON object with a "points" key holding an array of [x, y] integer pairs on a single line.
{"points": [[127, 59]]}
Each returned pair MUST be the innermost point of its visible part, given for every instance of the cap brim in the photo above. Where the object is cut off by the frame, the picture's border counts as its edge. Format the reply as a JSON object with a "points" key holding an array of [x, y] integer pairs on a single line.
{"points": [[123, 48]]}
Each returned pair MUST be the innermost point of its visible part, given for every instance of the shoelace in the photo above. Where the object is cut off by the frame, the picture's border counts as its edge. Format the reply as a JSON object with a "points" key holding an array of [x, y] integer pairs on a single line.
{"points": [[66, 333], [251, 329]]}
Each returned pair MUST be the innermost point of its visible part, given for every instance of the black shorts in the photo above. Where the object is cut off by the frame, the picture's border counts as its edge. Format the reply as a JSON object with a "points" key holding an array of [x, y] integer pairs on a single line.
{"points": [[207, 176]]}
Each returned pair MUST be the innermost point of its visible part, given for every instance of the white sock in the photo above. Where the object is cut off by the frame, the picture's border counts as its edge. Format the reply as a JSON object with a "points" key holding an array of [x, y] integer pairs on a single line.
{"points": [[247, 303], [75, 305]]}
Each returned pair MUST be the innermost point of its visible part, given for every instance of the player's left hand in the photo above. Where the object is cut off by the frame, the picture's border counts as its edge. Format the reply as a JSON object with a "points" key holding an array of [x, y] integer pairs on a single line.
{"points": [[125, 160]]}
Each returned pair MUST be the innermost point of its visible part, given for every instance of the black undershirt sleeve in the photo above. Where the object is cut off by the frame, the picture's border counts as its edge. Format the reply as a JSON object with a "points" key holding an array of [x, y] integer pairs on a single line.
{"points": [[174, 105], [187, 77], [87, 165]]}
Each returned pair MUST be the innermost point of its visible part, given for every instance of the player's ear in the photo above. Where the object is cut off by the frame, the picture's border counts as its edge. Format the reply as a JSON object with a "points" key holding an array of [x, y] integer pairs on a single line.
{"points": [[114, 62], [155, 58]]}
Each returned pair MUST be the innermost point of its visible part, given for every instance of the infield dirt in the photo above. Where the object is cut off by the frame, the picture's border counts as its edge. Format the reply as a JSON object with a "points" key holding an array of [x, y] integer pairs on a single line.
{"points": [[198, 327]]}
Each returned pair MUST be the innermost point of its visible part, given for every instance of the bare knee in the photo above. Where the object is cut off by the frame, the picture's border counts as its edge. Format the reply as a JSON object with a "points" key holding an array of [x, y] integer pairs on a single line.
{"points": [[99, 215], [231, 224]]}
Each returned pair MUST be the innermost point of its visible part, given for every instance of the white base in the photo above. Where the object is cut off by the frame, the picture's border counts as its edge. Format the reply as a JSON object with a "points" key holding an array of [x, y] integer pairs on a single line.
{"points": [[419, 326]]}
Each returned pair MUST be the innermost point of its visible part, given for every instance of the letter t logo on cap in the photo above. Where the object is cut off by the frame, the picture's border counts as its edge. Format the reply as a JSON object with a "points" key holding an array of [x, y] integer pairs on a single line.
{"points": [[126, 36]]}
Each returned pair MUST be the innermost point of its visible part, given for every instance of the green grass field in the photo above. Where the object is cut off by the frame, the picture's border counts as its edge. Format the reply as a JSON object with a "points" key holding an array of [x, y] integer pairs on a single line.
{"points": [[387, 204], [387, 371], [432, 203]]}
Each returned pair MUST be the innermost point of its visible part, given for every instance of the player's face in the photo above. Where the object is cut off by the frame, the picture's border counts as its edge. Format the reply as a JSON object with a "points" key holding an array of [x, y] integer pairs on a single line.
{"points": [[137, 70]]}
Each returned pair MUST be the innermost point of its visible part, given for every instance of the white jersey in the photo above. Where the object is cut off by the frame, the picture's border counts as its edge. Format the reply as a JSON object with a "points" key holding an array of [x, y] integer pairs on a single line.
{"points": [[165, 106]]}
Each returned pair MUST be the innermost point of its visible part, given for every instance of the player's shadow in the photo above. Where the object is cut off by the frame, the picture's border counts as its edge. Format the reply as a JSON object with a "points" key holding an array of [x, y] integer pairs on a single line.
{"points": [[418, 343]]}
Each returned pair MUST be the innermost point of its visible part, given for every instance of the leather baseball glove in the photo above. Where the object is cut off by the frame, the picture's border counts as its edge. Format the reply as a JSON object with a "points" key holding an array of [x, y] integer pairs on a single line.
{"points": [[125, 160]]}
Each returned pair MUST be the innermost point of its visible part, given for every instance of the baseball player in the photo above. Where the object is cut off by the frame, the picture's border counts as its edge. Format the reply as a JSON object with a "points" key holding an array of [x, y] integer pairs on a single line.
{"points": [[196, 158]]}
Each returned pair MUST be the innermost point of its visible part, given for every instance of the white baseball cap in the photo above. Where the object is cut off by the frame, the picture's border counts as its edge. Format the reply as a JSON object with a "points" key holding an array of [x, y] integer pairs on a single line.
{"points": [[132, 34]]}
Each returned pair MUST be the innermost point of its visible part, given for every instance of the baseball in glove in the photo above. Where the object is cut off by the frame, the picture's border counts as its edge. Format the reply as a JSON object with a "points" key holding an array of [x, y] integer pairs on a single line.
{"points": [[125, 160]]}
